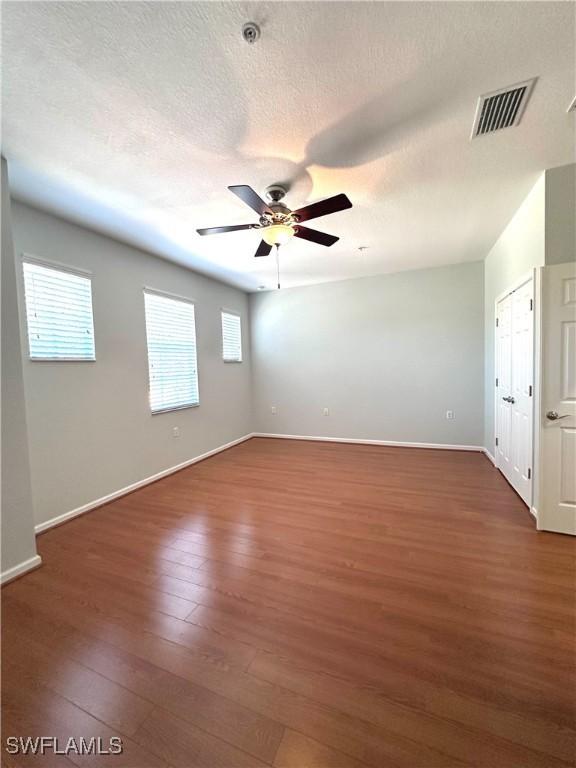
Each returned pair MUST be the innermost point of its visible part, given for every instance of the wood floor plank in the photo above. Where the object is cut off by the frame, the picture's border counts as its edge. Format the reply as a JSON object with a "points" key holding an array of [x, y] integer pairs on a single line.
{"points": [[327, 606], [299, 751], [186, 746]]}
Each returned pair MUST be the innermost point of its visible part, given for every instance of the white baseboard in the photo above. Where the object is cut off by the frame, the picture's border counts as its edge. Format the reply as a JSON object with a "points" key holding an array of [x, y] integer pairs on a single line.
{"points": [[20, 569], [489, 455], [534, 512], [134, 486], [392, 443]]}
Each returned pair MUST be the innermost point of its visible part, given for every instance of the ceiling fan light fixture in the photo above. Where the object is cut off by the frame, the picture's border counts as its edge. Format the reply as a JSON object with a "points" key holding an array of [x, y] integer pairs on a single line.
{"points": [[277, 234]]}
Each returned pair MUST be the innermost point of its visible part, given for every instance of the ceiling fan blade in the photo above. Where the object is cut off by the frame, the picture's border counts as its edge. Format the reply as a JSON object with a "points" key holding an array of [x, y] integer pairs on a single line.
{"points": [[323, 208], [219, 230], [248, 196], [316, 237], [263, 249]]}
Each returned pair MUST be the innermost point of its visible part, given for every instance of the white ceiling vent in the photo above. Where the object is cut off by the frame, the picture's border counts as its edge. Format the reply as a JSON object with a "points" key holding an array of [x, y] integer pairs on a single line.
{"points": [[502, 108]]}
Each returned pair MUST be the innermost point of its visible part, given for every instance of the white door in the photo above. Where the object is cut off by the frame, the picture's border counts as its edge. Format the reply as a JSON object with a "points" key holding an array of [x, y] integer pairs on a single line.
{"points": [[515, 388], [557, 503]]}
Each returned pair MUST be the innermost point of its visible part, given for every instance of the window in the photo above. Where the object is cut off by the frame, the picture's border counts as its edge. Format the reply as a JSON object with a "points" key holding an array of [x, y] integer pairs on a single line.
{"points": [[58, 313], [172, 368], [231, 338]]}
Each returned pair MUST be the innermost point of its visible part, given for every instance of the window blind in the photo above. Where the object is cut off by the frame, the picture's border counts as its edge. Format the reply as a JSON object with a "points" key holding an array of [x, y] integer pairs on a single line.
{"points": [[172, 366], [58, 313], [231, 338]]}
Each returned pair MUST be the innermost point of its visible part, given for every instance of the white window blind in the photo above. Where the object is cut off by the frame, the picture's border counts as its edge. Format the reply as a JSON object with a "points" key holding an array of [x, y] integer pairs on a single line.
{"points": [[231, 338], [172, 367], [58, 313]]}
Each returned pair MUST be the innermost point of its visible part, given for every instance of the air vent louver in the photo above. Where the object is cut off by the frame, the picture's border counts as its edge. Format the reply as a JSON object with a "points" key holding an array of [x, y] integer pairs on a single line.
{"points": [[501, 109]]}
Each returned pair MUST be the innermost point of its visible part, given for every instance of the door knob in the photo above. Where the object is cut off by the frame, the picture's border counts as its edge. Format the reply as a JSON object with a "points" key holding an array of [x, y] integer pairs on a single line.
{"points": [[509, 399], [554, 416]]}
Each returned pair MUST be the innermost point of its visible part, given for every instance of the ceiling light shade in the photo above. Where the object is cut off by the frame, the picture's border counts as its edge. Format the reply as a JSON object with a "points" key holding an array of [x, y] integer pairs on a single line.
{"points": [[277, 234]]}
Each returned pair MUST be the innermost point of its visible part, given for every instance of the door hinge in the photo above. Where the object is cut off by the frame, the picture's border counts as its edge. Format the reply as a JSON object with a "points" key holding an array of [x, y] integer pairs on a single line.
{"points": [[496, 322], [530, 391], [531, 305], [529, 473], [496, 381], [496, 441]]}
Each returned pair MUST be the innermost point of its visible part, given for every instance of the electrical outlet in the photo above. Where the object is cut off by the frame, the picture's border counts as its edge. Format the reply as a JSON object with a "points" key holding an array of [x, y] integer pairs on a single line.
{"points": [[449, 414], [175, 431], [274, 410], [326, 412]]}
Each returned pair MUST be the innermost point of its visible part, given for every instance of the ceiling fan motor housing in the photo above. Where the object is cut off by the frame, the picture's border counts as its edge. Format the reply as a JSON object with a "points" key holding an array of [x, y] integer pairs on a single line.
{"points": [[280, 211], [275, 192], [280, 208]]}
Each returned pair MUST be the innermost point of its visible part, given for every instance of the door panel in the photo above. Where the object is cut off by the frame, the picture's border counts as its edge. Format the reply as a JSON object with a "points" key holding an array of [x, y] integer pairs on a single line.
{"points": [[568, 478], [568, 361], [503, 375]]}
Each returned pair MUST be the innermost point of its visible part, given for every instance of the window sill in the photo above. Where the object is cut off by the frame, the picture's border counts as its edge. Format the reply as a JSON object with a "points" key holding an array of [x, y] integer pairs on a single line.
{"points": [[174, 408], [62, 359]]}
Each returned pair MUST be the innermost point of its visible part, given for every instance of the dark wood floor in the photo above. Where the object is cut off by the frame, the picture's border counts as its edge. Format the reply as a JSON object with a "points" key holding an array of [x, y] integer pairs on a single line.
{"points": [[301, 605]]}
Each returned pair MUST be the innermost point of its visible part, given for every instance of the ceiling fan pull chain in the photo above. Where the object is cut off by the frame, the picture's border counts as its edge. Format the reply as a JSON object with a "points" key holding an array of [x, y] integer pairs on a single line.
{"points": [[278, 264]]}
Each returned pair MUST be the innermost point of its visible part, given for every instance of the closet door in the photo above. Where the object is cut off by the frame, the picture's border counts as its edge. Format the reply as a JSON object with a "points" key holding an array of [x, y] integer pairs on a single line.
{"points": [[515, 366]]}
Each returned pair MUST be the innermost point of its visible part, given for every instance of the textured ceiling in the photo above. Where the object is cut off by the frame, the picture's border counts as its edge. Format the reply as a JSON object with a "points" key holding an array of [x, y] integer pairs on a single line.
{"points": [[133, 117]]}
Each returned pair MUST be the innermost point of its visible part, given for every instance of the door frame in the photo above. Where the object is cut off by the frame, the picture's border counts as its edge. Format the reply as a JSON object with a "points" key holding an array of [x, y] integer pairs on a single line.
{"points": [[535, 276]]}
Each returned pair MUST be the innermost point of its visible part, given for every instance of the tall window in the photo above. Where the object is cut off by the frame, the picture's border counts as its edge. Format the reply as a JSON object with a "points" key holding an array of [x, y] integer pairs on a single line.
{"points": [[231, 337], [58, 313], [172, 367]]}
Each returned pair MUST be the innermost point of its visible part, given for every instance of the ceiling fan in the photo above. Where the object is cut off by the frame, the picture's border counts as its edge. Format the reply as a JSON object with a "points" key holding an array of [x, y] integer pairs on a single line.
{"points": [[277, 222]]}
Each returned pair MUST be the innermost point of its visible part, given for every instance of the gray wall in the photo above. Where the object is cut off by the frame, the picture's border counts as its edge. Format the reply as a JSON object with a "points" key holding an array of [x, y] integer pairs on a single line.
{"points": [[18, 543], [388, 355], [561, 214], [90, 428], [519, 249]]}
